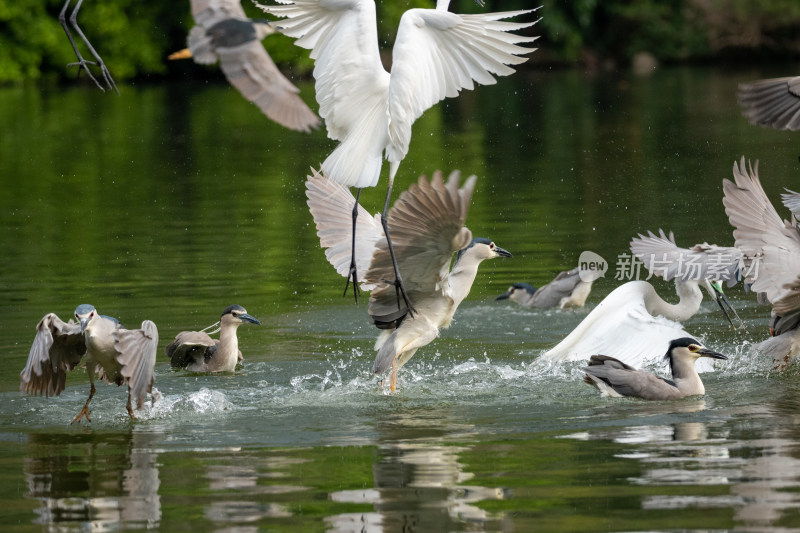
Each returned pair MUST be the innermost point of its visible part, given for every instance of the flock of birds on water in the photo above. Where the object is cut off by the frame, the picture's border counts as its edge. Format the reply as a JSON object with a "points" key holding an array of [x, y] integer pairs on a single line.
{"points": [[418, 260]]}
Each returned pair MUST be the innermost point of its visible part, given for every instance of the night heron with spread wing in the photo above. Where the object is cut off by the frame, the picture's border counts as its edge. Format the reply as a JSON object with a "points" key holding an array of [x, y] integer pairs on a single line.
{"points": [[427, 224], [570, 288], [772, 246], [633, 322], [225, 33], [616, 379], [115, 354], [83, 63], [369, 111], [196, 351]]}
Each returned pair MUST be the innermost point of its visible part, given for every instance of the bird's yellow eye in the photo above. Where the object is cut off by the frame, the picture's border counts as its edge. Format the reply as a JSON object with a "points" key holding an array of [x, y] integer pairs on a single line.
{"points": [[693, 347]]}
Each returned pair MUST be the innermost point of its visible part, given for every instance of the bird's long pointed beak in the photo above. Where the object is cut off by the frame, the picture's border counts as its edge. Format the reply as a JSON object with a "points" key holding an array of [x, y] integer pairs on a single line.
{"points": [[245, 317], [84, 322], [501, 252], [721, 299], [181, 54], [504, 296], [705, 352]]}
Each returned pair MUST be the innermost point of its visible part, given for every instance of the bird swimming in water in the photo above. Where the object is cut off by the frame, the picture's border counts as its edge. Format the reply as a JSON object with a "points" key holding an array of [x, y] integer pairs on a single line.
{"points": [[772, 247], [196, 351], [370, 111], [117, 355], [225, 33], [633, 321], [428, 222], [616, 379], [568, 289]]}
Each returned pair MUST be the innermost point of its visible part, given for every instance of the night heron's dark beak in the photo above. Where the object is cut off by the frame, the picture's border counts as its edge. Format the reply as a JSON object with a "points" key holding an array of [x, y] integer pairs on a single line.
{"points": [[244, 317], [705, 352], [501, 252], [721, 299], [505, 296]]}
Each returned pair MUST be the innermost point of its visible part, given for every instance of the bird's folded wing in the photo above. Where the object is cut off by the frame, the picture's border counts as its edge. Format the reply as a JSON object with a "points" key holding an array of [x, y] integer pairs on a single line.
{"points": [[331, 205], [343, 38], [663, 258], [437, 54], [773, 102], [426, 225], [249, 68], [57, 348], [136, 352], [209, 12], [551, 294], [770, 242]]}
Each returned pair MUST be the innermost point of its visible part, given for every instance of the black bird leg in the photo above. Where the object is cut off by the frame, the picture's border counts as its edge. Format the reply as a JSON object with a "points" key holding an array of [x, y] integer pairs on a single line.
{"points": [[83, 63], [353, 274], [398, 281]]}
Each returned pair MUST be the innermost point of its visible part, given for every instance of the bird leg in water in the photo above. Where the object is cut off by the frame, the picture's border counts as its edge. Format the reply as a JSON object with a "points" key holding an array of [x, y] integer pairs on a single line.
{"points": [[129, 407], [398, 281], [84, 413], [393, 378], [353, 274], [82, 63]]}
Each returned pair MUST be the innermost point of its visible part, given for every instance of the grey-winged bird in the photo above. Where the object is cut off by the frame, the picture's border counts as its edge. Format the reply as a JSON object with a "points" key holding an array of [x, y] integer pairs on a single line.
{"points": [[773, 103], [83, 63], [117, 355], [616, 379], [198, 352], [772, 247], [370, 111], [225, 33], [568, 289], [633, 321], [427, 224]]}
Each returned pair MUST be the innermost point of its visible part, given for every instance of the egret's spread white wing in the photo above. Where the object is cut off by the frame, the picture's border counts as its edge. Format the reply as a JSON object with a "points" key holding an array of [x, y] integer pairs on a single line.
{"points": [[57, 348], [427, 227], [249, 68], [621, 327], [136, 352], [208, 12], [437, 54], [774, 102], [663, 258], [331, 205], [760, 233]]}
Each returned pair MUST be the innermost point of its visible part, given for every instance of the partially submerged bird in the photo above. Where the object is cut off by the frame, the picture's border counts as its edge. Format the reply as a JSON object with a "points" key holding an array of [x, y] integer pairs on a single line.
{"points": [[633, 321], [427, 222], [369, 111], [83, 63], [568, 289], [616, 379], [772, 247], [224, 32], [773, 103], [196, 351], [117, 355]]}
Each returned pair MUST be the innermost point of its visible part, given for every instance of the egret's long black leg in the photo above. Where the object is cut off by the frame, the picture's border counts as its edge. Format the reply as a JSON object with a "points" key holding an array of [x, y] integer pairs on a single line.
{"points": [[353, 274], [398, 280], [81, 63], [73, 19]]}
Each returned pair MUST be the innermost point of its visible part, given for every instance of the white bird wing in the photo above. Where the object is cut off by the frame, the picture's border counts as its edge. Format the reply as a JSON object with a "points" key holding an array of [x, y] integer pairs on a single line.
{"points": [[621, 327], [208, 12], [331, 206], [250, 69], [761, 234], [437, 54], [773, 102], [791, 200], [136, 352], [426, 224], [551, 294], [663, 258], [57, 348]]}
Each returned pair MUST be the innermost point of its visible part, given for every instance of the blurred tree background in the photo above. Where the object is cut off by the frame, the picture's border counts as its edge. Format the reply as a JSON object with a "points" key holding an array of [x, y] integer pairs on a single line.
{"points": [[134, 37]]}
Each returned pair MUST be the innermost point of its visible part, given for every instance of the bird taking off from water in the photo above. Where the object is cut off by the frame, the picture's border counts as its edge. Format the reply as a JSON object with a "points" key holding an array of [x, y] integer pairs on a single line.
{"points": [[427, 221], [83, 63], [772, 246], [117, 355], [369, 111], [616, 379], [568, 289], [196, 351], [774, 103], [223, 32], [633, 322]]}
